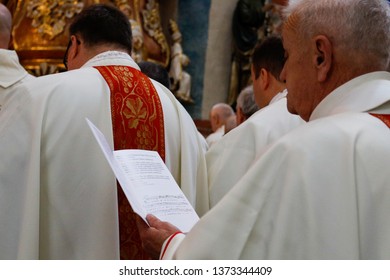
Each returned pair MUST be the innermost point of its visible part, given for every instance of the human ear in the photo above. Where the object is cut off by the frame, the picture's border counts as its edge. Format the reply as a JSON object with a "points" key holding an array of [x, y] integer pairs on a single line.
{"points": [[74, 47], [240, 118], [264, 78], [322, 57], [218, 120]]}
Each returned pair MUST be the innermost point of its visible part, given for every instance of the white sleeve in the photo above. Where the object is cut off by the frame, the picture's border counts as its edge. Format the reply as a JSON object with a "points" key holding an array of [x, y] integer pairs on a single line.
{"points": [[170, 245]]}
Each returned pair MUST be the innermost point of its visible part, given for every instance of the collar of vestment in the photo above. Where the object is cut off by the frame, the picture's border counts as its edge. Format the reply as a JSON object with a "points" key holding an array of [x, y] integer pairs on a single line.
{"points": [[10, 71], [111, 58], [278, 96], [361, 94]]}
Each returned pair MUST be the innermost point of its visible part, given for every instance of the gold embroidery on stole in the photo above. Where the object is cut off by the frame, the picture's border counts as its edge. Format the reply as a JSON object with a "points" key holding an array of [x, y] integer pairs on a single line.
{"points": [[138, 123]]}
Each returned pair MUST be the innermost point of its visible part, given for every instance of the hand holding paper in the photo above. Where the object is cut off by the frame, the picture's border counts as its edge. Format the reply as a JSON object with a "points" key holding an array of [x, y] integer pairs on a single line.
{"points": [[154, 236], [148, 184]]}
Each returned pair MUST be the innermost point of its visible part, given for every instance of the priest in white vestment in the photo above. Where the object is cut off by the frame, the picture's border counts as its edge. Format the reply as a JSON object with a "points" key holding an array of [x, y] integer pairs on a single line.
{"points": [[322, 191], [59, 199], [15, 129], [230, 158]]}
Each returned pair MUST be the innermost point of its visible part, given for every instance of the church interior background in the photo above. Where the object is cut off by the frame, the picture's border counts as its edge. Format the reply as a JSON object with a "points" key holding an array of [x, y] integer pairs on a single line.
{"points": [[217, 36]]}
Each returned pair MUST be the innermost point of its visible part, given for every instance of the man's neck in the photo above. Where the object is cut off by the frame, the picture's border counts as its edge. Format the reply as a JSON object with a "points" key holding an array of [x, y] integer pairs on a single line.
{"points": [[275, 88]]}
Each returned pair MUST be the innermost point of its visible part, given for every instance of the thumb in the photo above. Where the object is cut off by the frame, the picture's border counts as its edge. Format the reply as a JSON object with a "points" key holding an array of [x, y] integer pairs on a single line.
{"points": [[152, 220]]}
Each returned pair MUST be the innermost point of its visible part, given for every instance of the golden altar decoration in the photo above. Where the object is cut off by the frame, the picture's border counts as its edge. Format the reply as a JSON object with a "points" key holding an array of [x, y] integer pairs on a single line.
{"points": [[40, 30]]}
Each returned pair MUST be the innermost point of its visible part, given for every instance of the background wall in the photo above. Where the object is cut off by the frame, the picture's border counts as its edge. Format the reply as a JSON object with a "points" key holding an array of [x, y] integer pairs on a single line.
{"points": [[193, 21], [207, 39], [218, 55]]}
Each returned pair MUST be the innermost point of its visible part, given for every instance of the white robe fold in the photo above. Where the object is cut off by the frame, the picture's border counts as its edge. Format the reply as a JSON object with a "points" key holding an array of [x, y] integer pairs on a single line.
{"points": [[216, 136], [16, 129], [11, 72]]}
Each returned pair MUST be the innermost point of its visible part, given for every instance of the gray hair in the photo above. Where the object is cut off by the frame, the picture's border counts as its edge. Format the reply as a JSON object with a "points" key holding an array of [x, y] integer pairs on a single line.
{"points": [[246, 101], [365, 26]]}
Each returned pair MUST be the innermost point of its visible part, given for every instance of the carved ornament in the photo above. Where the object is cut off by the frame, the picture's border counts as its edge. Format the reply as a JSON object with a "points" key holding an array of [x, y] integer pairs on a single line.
{"points": [[152, 25], [49, 16]]}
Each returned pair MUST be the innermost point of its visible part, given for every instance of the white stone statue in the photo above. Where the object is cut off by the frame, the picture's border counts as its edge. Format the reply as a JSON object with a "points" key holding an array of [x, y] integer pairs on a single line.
{"points": [[138, 41], [180, 79]]}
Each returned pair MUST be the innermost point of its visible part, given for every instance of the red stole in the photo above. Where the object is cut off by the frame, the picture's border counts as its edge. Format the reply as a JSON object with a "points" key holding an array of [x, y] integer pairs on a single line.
{"points": [[383, 118], [138, 123]]}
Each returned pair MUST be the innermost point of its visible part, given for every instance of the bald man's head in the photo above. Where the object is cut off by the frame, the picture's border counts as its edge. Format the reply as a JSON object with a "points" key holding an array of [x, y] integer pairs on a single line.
{"points": [[5, 27], [219, 114]]}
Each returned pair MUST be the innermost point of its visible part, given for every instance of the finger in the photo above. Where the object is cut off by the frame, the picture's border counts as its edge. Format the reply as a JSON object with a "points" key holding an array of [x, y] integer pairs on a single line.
{"points": [[152, 220]]}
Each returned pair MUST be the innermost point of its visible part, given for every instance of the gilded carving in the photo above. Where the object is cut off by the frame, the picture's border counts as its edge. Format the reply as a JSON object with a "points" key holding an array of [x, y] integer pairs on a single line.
{"points": [[125, 7], [44, 68], [138, 41], [49, 16], [40, 31], [152, 25]]}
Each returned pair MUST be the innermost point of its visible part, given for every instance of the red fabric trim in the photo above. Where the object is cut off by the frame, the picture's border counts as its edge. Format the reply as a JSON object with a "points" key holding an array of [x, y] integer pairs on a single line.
{"points": [[168, 242], [137, 115], [138, 123], [383, 118]]}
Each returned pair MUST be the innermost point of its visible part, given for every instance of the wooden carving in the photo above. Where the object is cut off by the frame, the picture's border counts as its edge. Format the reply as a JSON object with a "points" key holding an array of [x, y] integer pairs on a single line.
{"points": [[40, 30]]}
